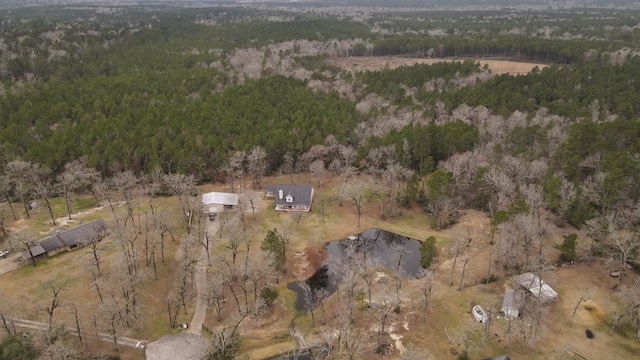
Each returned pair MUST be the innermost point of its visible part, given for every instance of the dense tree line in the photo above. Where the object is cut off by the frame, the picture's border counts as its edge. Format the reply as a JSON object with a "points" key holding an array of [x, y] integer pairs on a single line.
{"points": [[596, 24], [125, 124], [517, 47], [422, 147]]}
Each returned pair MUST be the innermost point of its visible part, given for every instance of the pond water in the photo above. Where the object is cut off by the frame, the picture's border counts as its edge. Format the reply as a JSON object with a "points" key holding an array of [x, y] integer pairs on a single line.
{"points": [[377, 246]]}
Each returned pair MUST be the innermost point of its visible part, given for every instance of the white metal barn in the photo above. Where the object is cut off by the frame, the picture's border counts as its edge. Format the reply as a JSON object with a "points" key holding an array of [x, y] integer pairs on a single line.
{"points": [[536, 286], [222, 201]]}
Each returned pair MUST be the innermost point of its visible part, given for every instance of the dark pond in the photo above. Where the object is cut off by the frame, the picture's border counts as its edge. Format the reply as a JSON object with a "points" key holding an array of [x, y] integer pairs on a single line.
{"points": [[374, 245]]}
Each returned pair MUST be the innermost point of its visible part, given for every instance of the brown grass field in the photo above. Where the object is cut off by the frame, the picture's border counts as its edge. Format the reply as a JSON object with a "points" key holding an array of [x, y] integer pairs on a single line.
{"points": [[374, 63]]}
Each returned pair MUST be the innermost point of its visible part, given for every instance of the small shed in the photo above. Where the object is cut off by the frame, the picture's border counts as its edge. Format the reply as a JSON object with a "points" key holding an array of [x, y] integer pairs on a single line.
{"points": [[511, 304], [224, 201], [536, 286]]}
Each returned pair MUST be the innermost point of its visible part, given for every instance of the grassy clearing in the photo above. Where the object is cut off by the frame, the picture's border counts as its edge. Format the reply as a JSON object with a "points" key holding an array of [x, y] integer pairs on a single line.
{"points": [[450, 308]]}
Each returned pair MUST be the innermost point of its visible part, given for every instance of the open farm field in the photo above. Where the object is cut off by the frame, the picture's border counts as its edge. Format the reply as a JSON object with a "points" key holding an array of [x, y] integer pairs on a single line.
{"points": [[375, 63]]}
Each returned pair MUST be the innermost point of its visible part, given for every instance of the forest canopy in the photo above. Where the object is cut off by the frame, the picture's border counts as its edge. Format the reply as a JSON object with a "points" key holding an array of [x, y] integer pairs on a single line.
{"points": [[184, 90]]}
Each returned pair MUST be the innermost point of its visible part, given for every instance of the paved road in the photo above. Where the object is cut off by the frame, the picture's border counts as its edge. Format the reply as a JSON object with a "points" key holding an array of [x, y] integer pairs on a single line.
{"points": [[36, 325]]}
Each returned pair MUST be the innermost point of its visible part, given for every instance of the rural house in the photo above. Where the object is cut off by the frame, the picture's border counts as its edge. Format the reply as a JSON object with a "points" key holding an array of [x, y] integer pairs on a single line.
{"points": [[65, 240], [291, 198]]}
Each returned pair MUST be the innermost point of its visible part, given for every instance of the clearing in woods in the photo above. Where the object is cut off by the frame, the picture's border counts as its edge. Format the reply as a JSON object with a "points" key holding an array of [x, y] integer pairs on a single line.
{"points": [[497, 67]]}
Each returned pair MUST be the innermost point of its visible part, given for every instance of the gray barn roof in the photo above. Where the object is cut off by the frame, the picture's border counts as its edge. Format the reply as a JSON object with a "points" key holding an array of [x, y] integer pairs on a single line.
{"points": [[511, 304], [536, 286], [301, 194]]}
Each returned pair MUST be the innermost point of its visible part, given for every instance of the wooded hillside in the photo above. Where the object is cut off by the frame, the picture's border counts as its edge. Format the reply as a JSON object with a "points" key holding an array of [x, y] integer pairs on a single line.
{"points": [[153, 100]]}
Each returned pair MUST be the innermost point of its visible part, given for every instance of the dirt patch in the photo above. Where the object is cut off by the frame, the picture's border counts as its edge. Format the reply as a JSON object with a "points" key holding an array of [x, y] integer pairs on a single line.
{"points": [[76, 218], [497, 67]]}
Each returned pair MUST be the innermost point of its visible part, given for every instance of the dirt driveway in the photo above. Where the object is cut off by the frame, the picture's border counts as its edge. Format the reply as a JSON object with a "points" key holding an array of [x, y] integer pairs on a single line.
{"points": [[11, 262]]}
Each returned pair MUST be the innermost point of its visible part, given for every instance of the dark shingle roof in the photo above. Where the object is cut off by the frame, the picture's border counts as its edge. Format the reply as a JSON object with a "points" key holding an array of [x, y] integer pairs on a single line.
{"points": [[79, 235], [301, 194], [84, 234], [35, 251], [51, 243]]}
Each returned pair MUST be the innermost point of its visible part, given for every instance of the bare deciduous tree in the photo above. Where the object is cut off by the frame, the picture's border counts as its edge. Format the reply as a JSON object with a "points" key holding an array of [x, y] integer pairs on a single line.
{"points": [[257, 164], [4, 230], [181, 186], [457, 251], [6, 188], [235, 168], [223, 345], [355, 192], [630, 307], [533, 195], [214, 293], [288, 165], [625, 244], [381, 308], [379, 158], [500, 187], [76, 175], [127, 183], [42, 187], [318, 170], [55, 287], [22, 242], [603, 190], [568, 195], [426, 289], [20, 173], [536, 314], [585, 292], [392, 176]]}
